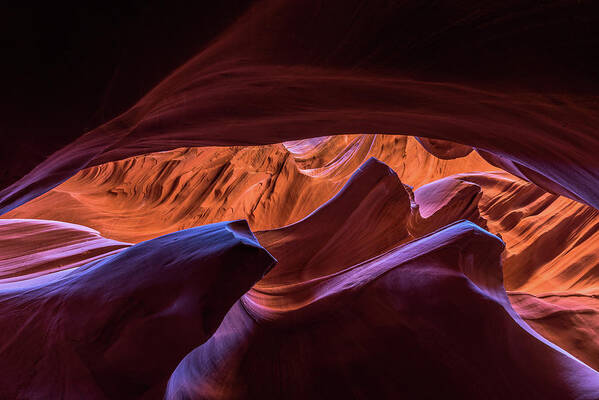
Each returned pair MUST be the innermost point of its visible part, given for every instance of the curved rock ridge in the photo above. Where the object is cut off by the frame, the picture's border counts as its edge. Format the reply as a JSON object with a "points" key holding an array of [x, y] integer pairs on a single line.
{"points": [[271, 186], [430, 311], [442, 202], [117, 327], [341, 274], [550, 262], [30, 248], [286, 71], [373, 208], [551, 240], [544, 255], [147, 196], [382, 290], [337, 157]]}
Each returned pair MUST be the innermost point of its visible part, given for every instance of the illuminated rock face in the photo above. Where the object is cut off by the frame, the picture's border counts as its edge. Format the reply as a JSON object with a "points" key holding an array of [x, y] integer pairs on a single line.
{"points": [[428, 319], [372, 280], [211, 243], [117, 327], [271, 186], [32, 247]]}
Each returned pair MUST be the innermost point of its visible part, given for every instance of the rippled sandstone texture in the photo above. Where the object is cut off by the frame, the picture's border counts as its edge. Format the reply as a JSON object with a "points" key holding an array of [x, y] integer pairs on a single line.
{"points": [[367, 248], [271, 186], [33, 248], [478, 281], [426, 319]]}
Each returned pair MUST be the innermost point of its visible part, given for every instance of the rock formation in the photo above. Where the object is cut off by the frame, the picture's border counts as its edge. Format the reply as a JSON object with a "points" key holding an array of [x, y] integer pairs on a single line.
{"points": [[339, 199]]}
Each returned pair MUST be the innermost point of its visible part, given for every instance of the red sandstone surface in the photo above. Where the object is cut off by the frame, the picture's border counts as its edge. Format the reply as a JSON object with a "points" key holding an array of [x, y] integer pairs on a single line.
{"points": [[340, 199]]}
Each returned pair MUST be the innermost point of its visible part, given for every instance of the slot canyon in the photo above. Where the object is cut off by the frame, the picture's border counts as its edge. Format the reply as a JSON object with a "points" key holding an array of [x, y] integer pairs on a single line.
{"points": [[310, 199]]}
